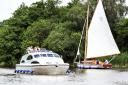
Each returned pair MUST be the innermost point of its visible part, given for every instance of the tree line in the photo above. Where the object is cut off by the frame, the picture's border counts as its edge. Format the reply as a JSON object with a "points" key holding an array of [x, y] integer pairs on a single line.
{"points": [[49, 25]]}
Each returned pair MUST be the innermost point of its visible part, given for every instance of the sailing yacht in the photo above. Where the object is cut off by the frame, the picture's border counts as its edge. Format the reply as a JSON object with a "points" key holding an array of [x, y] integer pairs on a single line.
{"points": [[99, 41]]}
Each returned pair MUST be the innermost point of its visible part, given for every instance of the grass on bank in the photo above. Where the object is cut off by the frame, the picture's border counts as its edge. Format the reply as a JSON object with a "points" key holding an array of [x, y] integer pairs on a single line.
{"points": [[121, 60]]}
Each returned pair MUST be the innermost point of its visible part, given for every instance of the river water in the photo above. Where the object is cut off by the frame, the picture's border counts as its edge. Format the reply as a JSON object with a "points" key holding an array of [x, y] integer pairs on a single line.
{"points": [[78, 77]]}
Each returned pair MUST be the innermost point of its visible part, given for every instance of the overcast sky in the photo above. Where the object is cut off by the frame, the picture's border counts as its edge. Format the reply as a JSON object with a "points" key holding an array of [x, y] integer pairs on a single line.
{"points": [[7, 7]]}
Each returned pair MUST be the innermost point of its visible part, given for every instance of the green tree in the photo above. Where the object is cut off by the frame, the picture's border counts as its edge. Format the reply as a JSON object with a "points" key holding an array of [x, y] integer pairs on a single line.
{"points": [[76, 15], [36, 33], [19, 18], [122, 33], [63, 41], [9, 46]]}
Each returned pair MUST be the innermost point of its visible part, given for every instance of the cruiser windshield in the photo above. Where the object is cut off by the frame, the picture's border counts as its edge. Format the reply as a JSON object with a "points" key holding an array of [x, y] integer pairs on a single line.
{"points": [[43, 55], [49, 55], [37, 55]]}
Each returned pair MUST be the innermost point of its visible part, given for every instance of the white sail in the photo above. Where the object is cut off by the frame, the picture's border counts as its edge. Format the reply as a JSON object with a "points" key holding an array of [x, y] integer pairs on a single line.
{"points": [[100, 39], [78, 52]]}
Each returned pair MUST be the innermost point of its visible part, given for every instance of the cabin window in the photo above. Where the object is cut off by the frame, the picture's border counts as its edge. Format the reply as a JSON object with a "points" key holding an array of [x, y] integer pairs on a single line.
{"points": [[56, 55], [37, 55], [22, 61], [34, 62], [49, 55], [29, 57], [43, 55]]}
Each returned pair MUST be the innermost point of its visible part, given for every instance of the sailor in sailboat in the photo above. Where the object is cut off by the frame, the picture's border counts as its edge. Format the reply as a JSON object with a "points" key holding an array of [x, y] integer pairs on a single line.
{"points": [[106, 61]]}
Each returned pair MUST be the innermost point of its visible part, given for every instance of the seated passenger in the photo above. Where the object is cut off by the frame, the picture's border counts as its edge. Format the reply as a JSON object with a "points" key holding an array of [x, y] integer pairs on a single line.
{"points": [[97, 61], [30, 49], [106, 62], [36, 48]]}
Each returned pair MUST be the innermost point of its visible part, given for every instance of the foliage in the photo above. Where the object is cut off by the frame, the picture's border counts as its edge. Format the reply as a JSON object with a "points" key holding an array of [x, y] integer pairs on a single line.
{"points": [[122, 33], [9, 46], [36, 33], [63, 41], [19, 18], [121, 60]]}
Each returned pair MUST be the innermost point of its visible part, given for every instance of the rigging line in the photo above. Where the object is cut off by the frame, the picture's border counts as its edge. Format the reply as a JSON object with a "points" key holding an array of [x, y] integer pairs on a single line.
{"points": [[78, 50], [112, 58]]}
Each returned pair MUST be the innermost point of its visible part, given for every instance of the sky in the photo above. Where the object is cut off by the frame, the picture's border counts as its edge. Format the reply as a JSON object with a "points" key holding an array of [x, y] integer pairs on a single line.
{"points": [[7, 7]]}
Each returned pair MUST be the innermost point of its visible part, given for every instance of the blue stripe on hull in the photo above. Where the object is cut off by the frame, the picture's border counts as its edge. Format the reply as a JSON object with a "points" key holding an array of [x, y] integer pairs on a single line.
{"points": [[81, 66], [24, 71]]}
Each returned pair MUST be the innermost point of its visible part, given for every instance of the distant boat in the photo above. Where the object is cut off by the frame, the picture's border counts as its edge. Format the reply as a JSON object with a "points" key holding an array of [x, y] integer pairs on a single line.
{"points": [[43, 62], [99, 41]]}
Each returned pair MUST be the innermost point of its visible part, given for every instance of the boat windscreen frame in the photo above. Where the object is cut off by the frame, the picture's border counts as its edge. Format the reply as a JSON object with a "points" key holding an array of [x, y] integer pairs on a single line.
{"points": [[56, 55], [35, 56], [42, 55], [50, 55]]}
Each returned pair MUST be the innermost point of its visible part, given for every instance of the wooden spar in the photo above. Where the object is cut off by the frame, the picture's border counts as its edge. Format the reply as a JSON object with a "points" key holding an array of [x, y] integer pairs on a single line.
{"points": [[86, 34], [97, 1]]}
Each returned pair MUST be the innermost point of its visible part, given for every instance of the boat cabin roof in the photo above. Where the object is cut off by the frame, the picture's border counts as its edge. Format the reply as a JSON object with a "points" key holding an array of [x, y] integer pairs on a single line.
{"points": [[45, 54], [42, 53]]}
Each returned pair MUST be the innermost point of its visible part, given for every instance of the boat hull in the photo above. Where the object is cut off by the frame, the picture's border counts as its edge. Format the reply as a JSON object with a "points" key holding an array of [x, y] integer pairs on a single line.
{"points": [[42, 69], [94, 66]]}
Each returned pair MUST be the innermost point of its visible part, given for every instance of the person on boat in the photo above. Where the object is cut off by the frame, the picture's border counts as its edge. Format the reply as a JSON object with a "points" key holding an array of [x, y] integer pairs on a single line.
{"points": [[106, 62], [97, 61], [29, 49], [36, 49]]}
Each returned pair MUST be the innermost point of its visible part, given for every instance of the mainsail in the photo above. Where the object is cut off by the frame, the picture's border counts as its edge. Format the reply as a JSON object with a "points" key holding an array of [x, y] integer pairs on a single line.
{"points": [[100, 39]]}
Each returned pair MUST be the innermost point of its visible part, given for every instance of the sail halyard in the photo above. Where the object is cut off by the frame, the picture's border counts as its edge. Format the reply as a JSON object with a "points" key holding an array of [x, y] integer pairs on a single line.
{"points": [[100, 41], [78, 49]]}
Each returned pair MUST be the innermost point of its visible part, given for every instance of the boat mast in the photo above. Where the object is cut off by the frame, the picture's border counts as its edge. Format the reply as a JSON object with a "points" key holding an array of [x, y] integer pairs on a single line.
{"points": [[86, 32]]}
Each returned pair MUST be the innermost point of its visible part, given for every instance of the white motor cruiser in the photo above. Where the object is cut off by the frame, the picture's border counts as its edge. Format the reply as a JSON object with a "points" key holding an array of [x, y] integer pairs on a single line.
{"points": [[43, 62]]}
